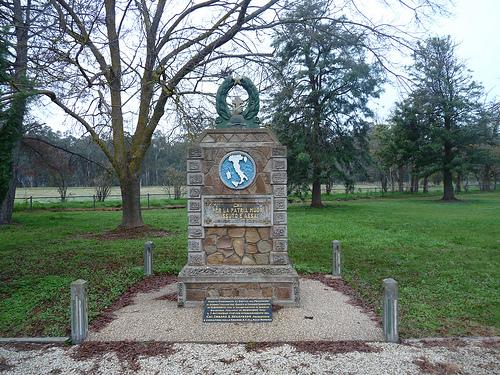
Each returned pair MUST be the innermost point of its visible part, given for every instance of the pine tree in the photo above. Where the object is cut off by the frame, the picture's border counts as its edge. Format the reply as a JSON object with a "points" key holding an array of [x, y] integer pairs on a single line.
{"points": [[319, 104]]}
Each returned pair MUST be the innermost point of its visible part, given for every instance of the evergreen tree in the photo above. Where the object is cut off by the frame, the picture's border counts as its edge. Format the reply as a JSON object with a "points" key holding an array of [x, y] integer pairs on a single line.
{"points": [[448, 98], [323, 84]]}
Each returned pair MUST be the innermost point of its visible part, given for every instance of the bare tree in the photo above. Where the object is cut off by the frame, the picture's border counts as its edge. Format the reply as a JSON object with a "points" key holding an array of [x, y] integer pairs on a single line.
{"points": [[58, 162], [176, 179], [103, 183], [125, 55]]}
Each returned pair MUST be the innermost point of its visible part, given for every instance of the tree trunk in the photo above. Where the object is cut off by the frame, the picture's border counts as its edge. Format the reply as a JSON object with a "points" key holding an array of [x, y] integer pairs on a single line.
{"points": [[8, 202], [426, 184], [328, 188], [486, 178], [458, 184], [316, 194], [131, 202], [383, 182], [393, 188], [448, 193], [414, 183], [316, 188], [400, 180], [315, 145]]}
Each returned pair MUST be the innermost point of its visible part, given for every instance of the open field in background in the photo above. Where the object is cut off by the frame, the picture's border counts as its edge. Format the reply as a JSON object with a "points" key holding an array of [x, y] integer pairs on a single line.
{"points": [[22, 192], [157, 196], [87, 191], [445, 256]]}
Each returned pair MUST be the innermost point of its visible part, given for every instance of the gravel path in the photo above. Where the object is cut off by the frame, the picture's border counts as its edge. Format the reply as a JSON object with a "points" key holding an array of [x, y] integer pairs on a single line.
{"points": [[470, 356], [324, 314]]}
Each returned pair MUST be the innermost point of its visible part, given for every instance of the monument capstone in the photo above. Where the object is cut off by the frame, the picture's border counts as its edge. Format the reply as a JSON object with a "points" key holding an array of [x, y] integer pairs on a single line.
{"points": [[237, 209]]}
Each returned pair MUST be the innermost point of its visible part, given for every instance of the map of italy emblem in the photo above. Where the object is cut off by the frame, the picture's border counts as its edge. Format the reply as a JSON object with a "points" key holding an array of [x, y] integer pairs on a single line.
{"points": [[237, 170]]}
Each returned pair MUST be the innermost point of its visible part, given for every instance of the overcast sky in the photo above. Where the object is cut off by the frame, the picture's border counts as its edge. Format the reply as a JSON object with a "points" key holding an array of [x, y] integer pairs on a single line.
{"points": [[473, 24]]}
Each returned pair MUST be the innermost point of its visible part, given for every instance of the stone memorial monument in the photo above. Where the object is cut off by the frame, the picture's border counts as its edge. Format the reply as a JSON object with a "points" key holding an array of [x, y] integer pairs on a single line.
{"points": [[237, 209]]}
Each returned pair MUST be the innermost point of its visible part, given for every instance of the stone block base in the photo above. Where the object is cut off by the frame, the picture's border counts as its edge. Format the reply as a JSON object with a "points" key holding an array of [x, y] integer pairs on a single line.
{"points": [[278, 283]]}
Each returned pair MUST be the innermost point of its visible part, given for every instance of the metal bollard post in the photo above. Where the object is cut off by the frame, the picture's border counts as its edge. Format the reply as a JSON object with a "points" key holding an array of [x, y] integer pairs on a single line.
{"points": [[79, 314], [94, 200], [336, 258], [148, 258], [148, 200], [31, 202], [390, 317]]}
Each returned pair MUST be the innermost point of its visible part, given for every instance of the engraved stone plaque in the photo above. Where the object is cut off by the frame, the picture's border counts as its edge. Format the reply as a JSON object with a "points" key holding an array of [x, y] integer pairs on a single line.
{"points": [[278, 178], [194, 152], [194, 205], [195, 178], [238, 211], [194, 191], [280, 191], [237, 310], [194, 165]]}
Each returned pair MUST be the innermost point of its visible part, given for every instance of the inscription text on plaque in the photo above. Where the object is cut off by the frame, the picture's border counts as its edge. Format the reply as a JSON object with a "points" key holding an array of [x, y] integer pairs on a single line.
{"points": [[251, 211]]}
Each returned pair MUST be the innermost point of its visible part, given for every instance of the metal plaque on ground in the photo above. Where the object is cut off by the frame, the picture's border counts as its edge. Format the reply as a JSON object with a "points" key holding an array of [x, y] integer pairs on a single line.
{"points": [[218, 310]]}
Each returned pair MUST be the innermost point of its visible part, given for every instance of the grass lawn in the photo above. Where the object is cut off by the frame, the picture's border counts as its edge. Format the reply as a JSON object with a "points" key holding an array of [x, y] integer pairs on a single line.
{"points": [[445, 256]]}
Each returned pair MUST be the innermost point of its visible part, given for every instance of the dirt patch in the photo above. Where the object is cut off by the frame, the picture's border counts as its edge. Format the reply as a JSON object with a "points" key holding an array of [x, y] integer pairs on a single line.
{"points": [[228, 361], [450, 343], [28, 346], [127, 233], [437, 368], [333, 347], [126, 351], [168, 297], [491, 346], [146, 285], [276, 308], [341, 286], [261, 346], [491, 343], [4, 365]]}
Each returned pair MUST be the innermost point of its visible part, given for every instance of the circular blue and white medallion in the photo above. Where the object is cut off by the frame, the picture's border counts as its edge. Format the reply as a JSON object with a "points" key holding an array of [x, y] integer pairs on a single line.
{"points": [[237, 170]]}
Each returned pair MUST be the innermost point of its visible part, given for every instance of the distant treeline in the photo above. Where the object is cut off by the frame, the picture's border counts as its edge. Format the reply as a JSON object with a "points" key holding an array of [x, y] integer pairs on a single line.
{"points": [[49, 158]]}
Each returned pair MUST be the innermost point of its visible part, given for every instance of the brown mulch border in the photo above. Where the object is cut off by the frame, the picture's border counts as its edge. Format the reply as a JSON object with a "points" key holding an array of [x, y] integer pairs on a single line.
{"points": [[148, 284], [341, 286], [29, 346], [4, 365], [450, 343], [168, 297], [276, 308], [491, 343], [126, 351], [437, 368]]}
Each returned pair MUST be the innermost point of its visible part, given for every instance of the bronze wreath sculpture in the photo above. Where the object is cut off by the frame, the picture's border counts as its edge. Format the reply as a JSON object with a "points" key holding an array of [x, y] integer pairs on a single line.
{"points": [[248, 119]]}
